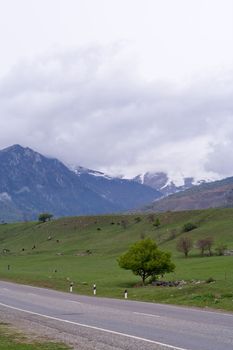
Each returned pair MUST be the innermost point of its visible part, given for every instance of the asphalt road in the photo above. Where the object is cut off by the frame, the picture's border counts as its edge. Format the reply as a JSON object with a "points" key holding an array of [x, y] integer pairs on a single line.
{"points": [[154, 325]]}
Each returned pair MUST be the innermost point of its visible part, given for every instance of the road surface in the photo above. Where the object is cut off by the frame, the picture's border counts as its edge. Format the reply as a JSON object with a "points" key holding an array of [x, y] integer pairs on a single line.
{"points": [[135, 324]]}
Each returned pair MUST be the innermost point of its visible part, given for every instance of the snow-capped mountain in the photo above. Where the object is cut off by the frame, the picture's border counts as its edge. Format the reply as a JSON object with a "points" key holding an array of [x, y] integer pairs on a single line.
{"points": [[216, 194], [166, 185], [31, 183], [79, 170]]}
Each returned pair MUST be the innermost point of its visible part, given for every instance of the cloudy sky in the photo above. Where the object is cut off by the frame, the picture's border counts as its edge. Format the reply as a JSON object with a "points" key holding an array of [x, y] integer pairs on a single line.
{"points": [[123, 86]]}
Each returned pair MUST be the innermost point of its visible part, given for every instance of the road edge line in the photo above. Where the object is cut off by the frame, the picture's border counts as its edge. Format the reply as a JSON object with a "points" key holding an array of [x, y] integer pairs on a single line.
{"points": [[93, 327]]}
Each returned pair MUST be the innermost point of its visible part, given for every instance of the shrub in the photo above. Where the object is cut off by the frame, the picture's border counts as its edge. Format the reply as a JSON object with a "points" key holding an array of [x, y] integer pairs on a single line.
{"points": [[157, 223], [220, 249], [138, 219], [151, 218], [43, 217], [189, 227], [210, 280]]}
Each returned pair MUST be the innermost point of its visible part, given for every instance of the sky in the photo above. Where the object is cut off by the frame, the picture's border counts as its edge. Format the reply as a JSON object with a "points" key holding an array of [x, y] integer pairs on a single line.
{"points": [[120, 86]]}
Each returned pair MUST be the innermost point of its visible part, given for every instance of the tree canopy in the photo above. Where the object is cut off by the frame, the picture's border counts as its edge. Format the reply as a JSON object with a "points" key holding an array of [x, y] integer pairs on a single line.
{"points": [[205, 244], [145, 260], [43, 217], [184, 245]]}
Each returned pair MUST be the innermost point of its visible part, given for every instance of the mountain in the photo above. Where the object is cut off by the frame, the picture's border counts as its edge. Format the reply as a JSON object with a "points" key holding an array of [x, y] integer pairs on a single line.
{"points": [[31, 183], [216, 194], [162, 183], [124, 193]]}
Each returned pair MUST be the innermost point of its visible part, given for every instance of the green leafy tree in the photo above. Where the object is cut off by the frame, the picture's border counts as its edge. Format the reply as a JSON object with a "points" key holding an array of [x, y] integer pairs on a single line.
{"points": [[157, 223], [144, 259], [43, 217], [138, 219], [189, 227]]}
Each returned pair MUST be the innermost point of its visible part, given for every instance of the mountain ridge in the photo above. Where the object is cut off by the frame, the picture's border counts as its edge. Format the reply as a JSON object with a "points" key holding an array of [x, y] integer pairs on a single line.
{"points": [[216, 194], [31, 183], [165, 184]]}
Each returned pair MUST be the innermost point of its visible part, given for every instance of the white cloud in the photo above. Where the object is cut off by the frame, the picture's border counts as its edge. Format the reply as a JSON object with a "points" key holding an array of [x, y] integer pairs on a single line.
{"points": [[92, 107]]}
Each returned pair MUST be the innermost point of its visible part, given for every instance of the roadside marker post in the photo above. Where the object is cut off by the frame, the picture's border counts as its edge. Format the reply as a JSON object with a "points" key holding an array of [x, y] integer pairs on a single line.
{"points": [[126, 294], [94, 289], [71, 287]]}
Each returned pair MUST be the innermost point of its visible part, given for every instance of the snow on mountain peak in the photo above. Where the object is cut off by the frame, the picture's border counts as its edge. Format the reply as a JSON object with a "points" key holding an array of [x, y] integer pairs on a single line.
{"points": [[79, 170]]}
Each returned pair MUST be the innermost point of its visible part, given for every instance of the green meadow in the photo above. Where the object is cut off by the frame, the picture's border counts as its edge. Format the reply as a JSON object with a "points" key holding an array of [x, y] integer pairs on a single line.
{"points": [[84, 250]]}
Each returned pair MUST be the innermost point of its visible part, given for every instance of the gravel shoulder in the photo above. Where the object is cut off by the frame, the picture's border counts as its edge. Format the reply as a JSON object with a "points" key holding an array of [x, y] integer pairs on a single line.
{"points": [[78, 338]]}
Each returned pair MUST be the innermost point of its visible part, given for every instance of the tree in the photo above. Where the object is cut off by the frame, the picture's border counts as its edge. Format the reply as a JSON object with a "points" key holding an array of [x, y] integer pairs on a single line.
{"points": [[43, 217], [151, 218], [124, 223], [137, 219], [145, 260], [189, 227], [220, 249], [157, 223], [184, 245], [205, 244]]}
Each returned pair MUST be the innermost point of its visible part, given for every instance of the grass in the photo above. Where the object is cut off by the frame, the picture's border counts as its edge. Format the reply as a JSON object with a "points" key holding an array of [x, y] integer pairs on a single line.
{"points": [[11, 340], [84, 250]]}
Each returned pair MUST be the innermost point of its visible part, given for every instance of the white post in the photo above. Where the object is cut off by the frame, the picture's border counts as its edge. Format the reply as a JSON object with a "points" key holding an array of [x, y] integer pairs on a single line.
{"points": [[94, 289], [126, 294], [71, 287]]}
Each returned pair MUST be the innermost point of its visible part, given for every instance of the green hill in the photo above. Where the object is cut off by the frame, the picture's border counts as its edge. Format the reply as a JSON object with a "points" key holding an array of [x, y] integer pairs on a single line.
{"points": [[84, 250]]}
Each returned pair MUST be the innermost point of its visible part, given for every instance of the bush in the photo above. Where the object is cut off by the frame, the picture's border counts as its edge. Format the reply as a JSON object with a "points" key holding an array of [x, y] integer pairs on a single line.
{"points": [[151, 218], [138, 219], [43, 217], [210, 280], [189, 227], [157, 223], [220, 249]]}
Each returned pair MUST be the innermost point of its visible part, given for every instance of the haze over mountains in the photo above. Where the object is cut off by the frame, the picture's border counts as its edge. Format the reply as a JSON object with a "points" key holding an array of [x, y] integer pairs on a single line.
{"points": [[31, 183]]}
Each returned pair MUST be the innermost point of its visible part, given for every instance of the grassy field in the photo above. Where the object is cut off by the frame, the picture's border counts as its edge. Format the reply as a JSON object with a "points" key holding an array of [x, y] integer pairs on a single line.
{"points": [[84, 250], [12, 340]]}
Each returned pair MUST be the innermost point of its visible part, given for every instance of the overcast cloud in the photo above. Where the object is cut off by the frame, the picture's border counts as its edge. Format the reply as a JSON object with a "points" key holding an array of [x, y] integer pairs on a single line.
{"points": [[96, 106]]}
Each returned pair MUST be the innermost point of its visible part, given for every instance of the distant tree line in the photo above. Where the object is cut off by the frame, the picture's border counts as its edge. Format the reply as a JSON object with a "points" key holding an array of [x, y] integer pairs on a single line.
{"points": [[185, 245]]}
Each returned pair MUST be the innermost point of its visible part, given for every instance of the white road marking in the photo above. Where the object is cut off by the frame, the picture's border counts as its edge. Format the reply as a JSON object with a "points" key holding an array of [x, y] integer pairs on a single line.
{"points": [[190, 309], [95, 328], [35, 295], [73, 301], [150, 315]]}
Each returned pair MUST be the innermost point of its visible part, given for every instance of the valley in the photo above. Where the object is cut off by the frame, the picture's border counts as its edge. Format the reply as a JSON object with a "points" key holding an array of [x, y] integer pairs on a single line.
{"points": [[84, 250]]}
